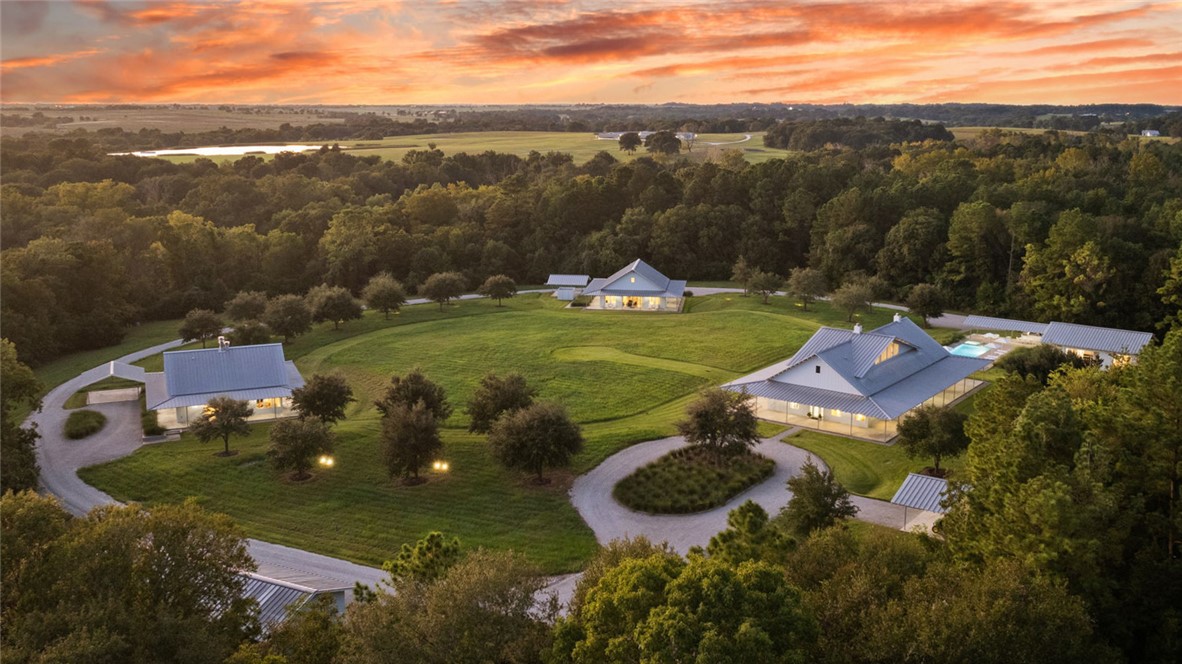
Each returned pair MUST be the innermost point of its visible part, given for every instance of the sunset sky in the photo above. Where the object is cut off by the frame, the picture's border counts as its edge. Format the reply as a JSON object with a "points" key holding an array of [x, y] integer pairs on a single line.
{"points": [[540, 51]]}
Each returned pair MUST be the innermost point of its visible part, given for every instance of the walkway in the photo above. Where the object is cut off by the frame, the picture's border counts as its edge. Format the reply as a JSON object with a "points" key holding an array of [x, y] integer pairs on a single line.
{"points": [[60, 459], [591, 494]]}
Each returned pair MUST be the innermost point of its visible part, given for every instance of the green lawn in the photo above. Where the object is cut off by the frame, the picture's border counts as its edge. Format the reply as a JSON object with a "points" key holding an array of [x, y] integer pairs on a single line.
{"points": [[626, 377], [867, 469]]}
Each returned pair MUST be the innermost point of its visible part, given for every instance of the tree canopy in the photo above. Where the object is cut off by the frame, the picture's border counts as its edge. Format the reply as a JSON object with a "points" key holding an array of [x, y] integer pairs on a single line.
{"points": [[223, 417], [721, 421], [534, 438]]}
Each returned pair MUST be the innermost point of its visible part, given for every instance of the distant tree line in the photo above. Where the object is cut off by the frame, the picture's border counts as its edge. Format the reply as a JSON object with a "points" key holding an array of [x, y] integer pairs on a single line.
{"points": [[855, 133], [1072, 228]]}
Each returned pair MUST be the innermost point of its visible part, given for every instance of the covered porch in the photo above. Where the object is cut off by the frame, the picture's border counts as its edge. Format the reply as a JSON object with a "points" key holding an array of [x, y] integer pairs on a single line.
{"points": [[852, 424], [265, 410], [635, 303]]}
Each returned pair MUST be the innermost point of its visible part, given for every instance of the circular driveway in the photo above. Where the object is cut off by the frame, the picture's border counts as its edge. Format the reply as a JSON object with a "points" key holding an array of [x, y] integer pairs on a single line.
{"points": [[591, 495]]}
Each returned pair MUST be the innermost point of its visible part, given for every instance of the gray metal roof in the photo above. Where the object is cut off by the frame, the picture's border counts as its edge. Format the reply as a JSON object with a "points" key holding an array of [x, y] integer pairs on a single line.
{"points": [[664, 287], [886, 390], [1087, 337], [273, 597], [577, 280], [246, 373], [922, 493], [1005, 324], [128, 371]]}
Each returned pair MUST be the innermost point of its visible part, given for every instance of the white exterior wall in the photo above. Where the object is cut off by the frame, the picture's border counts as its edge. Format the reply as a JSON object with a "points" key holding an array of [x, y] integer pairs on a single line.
{"points": [[806, 374], [777, 410]]}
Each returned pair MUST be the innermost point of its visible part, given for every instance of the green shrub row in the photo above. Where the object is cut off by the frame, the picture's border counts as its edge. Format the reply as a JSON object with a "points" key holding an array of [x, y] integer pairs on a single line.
{"points": [[691, 479]]}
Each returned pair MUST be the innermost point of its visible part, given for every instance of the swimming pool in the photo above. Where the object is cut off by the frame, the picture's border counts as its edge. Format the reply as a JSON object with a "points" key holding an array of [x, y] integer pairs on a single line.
{"points": [[969, 349]]}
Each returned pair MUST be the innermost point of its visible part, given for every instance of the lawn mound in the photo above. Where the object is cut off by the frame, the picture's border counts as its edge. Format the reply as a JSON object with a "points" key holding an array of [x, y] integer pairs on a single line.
{"points": [[83, 423], [691, 480]]}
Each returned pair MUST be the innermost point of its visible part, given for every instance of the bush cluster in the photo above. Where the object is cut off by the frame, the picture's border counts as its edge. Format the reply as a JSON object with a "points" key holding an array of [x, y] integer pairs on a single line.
{"points": [[83, 423], [691, 479]]}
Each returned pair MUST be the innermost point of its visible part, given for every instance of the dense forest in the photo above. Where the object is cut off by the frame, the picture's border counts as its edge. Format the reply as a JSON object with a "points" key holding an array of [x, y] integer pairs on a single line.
{"points": [[1083, 229]]}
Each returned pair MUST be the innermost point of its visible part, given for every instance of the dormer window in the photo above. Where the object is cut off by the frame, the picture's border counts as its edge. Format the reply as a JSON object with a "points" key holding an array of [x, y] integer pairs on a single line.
{"points": [[632, 280], [890, 351]]}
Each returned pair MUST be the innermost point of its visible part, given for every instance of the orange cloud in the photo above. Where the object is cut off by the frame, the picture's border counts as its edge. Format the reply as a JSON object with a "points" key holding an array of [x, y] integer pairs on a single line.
{"points": [[45, 60]]}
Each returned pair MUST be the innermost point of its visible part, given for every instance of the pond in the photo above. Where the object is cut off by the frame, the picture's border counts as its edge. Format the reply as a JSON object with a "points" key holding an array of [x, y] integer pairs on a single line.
{"points": [[221, 151]]}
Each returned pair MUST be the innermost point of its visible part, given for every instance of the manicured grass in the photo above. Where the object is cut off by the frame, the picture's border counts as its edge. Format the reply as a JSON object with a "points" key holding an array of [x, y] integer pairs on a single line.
{"points": [[83, 423], [768, 429], [625, 377], [689, 480], [865, 468]]}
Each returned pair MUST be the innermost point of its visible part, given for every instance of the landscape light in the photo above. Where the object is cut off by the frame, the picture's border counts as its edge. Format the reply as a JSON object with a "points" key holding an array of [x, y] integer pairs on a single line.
{"points": [[441, 466], [326, 461]]}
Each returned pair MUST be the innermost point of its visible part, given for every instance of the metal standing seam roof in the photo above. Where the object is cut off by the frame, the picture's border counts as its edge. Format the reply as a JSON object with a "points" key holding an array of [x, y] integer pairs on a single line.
{"points": [[1087, 337], [1005, 324], [922, 493], [667, 286], [274, 597], [576, 280], [246, 373], [885, 390]]}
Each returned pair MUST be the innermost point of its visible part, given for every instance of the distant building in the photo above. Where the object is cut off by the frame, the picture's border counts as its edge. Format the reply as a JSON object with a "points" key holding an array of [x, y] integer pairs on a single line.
{"points": [[277, 597], [1150, 132], [636, 287], [568, 286]]}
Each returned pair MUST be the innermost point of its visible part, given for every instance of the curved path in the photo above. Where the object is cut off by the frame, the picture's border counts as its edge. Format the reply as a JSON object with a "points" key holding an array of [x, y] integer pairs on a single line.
{"points": [[591, 495], [60, 459]]}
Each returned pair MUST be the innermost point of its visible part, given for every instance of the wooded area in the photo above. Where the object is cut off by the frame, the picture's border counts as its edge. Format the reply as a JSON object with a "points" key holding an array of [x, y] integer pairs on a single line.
{"points": [[1080, 229]]}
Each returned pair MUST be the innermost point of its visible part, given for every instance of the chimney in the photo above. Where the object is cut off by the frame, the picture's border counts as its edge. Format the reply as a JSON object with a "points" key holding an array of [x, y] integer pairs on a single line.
{"points": [[898, 317], [223, 343], [857, 328]]}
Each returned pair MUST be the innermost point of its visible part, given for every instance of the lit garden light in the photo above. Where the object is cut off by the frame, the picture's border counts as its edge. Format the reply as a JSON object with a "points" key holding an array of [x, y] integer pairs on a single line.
{"points": [[326, 461], [441, 466]]}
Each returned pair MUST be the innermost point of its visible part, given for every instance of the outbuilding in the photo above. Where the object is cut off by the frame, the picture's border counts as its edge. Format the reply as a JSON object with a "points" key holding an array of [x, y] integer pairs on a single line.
{"points": [[257, 374], [638, 286]]}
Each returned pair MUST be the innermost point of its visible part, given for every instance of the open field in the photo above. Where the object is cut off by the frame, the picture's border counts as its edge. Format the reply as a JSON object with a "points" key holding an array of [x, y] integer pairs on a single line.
{"points": [[868, 469], [625, 377], [580, 145]]}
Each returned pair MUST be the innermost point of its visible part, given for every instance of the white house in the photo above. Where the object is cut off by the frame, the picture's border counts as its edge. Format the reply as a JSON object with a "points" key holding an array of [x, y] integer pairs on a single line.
{"points": [[636, 287], [860, 384], [1150, 132], [258, 374]]}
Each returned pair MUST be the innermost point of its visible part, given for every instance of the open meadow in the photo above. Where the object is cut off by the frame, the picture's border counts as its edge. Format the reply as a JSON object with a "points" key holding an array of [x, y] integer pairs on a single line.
{"points": [[625, 377]]}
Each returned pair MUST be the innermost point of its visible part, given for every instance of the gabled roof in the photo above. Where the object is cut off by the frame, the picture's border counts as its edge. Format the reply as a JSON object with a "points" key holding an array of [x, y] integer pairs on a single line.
{"points": [[922, 369], [1005, 324], [1087, 337], [662, 286], [193, 377], [922, 493], [576, 280]]}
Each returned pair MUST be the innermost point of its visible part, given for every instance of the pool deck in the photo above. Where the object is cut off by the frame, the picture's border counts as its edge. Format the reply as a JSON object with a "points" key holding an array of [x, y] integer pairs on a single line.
{"points": [[997, 345]]}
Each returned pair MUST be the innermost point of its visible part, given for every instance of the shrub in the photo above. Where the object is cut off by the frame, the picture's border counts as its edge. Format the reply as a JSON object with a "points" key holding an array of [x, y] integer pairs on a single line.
{"points": [[83, 423], [690, 479], [150, 423]]}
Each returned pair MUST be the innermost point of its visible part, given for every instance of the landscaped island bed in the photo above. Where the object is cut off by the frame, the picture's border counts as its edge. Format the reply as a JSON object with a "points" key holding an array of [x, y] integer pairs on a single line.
{"points": [[691, 479], [624, 377]]}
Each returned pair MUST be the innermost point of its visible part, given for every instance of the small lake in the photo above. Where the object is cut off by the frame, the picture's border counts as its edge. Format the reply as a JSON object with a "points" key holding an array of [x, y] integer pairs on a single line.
{"points": [[222, 151]]}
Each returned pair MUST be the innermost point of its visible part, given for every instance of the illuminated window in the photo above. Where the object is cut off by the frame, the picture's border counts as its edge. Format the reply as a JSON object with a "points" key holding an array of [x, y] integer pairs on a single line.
{"points": [[793, 405], [632, 280], [860, 418], [835, 412]]}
